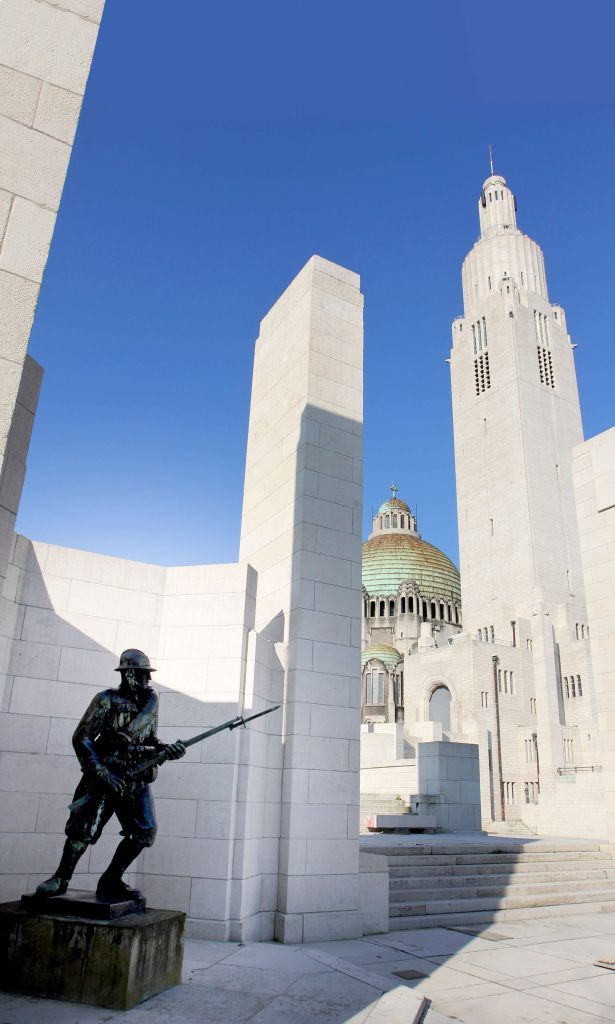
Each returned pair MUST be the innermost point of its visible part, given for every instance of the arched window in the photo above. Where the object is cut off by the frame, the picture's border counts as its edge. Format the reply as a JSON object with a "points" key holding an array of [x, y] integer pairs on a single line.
{"points": [[381, 609], [391, 609], [424, 609], [387, 521], [442, 616], [395, 519], [402, 522], [440, 707], [434, 613], [372, 609], [403, 605], [410, 604]]}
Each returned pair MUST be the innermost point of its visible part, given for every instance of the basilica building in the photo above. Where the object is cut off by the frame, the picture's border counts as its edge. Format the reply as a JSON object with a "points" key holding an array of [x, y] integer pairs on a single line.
{"points": [[514, 674], [411, 597]]}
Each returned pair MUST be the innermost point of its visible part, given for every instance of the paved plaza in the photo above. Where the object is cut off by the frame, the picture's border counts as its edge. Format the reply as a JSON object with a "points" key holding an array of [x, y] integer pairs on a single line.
{"points": [[539, 971]]}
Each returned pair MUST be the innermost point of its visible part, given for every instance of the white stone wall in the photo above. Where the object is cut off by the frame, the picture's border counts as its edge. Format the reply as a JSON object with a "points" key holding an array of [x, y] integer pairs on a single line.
{"points": [[45, 55], [71, 615], [448, 773], [594, 478], [301, 531]]}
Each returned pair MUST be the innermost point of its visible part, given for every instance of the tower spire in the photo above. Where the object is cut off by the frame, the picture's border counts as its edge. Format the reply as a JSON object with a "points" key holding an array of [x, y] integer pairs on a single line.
{"points": [[491, 158]]}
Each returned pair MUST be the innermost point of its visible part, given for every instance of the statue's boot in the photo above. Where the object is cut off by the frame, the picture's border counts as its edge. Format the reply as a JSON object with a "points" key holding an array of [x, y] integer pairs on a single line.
{"points": [[58, 883], [110, 885]]}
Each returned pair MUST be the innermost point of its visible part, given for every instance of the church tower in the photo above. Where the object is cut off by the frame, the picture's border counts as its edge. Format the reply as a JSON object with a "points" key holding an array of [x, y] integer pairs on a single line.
{"points": [[516, 419]]}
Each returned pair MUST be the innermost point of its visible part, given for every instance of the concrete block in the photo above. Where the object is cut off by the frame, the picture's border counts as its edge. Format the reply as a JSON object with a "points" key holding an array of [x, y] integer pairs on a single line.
{"points": [[323, 688], [48, 43], [58, 112], [39, 696], [27, 733], [36, 774], [52, 816], [165, 892], [95, 668], [18, 95], [342, 723], [18, 812], [61, 735], [120, 962], [27, 239], [323, 855], [313, 821], [333, 787], [18, 299], [306, 624], [330, 925], [71, 630], [289, 928], [32, 165], [45, 591], [208, 898], [315, 751], [34, 660]]}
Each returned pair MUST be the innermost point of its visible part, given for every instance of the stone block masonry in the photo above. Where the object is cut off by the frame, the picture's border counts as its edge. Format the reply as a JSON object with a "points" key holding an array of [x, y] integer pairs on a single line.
{"points": [[45, 56], [303, 498]]}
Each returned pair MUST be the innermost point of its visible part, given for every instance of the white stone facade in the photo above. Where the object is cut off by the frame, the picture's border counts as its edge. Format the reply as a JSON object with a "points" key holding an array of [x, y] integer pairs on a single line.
{"points": [[519, 667], [594, 479]]}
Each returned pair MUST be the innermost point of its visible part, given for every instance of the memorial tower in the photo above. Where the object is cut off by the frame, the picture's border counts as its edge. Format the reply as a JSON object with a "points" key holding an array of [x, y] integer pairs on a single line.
{"points": [[516, 419]]}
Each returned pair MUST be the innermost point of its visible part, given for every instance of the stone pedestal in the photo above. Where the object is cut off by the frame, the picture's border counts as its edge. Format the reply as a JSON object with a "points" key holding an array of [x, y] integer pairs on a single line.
{"points": [[114, 963]]}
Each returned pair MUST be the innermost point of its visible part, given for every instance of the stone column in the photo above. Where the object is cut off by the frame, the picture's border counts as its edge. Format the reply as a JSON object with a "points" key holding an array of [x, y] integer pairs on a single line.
{"points": [[45, 55], [301, 530]]}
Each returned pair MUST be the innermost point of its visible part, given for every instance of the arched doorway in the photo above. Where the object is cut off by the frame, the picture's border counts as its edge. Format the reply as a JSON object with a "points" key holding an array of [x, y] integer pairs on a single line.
{"points": [[440, 707]]}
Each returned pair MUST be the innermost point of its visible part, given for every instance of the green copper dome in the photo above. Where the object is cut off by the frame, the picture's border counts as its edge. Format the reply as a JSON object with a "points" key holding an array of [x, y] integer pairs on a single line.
{"points": [[393, 505], [381, 652], [389, 559]]}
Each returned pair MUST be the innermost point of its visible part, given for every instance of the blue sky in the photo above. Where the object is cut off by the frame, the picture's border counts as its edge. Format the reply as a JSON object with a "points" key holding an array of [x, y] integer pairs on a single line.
{"points": [[216, 152]]}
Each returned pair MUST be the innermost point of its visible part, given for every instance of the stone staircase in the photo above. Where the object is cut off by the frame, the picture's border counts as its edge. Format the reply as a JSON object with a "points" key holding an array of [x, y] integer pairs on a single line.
{"points": [[457, 884]]}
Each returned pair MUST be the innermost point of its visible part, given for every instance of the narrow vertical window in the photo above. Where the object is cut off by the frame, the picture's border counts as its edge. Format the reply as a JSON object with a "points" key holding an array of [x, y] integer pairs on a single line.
{"points": [[579, 689]]}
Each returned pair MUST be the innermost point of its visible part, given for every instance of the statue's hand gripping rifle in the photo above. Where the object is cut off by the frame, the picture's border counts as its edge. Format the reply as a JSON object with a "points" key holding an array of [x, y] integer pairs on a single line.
{"points": [[134, 774]]}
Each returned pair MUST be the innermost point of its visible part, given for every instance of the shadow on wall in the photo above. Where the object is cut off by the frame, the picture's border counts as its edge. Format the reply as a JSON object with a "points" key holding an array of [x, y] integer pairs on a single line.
{"points": [[320, 880], [218, 808]]}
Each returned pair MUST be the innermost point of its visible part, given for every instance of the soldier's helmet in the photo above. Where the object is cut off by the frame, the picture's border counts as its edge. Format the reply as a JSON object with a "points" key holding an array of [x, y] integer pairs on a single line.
{"points": [[133, 658]]}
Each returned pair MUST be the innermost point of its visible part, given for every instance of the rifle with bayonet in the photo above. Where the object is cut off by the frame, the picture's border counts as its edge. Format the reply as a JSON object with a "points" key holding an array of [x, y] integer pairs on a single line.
{"points": [[133, 774]]}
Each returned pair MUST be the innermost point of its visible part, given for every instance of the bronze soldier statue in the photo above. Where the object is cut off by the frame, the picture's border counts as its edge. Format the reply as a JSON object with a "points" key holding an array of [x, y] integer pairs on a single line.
{"points": [[117, 731]]}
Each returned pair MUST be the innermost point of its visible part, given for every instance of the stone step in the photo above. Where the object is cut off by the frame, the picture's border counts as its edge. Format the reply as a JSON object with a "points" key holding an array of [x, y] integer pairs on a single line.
{"points": [[452, 906], [458, 920], [545, 857], [510, 870], [501, 849], [416, 821], [527, 878], [465, 892], [384, 807]]}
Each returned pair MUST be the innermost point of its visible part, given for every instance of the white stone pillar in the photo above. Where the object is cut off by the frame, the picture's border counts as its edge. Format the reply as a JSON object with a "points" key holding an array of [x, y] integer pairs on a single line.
{"points": [[301, 530], [45, 55]]}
